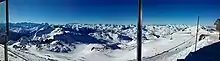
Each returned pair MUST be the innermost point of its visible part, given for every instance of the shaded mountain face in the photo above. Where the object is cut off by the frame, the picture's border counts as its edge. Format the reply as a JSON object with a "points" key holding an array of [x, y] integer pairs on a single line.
{"points": [[109, 34]]}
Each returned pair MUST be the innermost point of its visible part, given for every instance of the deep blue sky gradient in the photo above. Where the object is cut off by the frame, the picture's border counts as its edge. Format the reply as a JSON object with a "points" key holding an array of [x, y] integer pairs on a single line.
{"points": [[181, 11], [67, 11], [114, 11]]}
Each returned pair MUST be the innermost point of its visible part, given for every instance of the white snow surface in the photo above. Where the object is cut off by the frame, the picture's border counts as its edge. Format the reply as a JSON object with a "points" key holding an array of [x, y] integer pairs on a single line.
{"points": [[104, 42]]}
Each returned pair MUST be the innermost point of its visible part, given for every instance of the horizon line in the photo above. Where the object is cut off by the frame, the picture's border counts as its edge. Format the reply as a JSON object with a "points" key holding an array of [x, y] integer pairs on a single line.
{"points": [[105, 23]]}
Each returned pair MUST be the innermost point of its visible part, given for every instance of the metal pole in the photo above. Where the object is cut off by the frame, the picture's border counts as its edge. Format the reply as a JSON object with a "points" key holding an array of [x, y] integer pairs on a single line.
{"points": [[7, 31], [197, 30], [139, 31]]}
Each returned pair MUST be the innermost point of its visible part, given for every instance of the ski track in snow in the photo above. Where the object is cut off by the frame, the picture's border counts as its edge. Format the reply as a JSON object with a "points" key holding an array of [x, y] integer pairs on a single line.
{"points": [[168, 56], [30, 56], [12, 54], [162, 56], [212, 38], [175, 50]]}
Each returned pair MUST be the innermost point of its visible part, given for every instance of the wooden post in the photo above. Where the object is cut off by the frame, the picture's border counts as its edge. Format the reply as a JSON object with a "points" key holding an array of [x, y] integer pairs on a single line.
{"points": [[197, 30], [7, 31], [139, 31]]}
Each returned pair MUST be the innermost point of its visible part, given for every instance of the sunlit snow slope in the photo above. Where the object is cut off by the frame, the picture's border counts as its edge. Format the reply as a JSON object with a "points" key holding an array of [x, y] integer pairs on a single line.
{"points": [[101, 42]]}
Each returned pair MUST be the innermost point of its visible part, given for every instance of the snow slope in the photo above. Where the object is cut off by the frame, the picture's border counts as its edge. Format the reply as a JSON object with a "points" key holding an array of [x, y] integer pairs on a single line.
{"points": [[11, 55], [212, 38], [100, 42]]}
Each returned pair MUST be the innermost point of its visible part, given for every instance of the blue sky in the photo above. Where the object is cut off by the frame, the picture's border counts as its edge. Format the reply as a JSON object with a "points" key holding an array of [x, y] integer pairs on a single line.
{"points": [[181, 11], [114, 11]]}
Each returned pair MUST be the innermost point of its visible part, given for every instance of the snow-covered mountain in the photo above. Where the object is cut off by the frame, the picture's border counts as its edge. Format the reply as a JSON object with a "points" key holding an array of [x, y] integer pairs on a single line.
{"points": [[112, 42], [88, 33]]}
